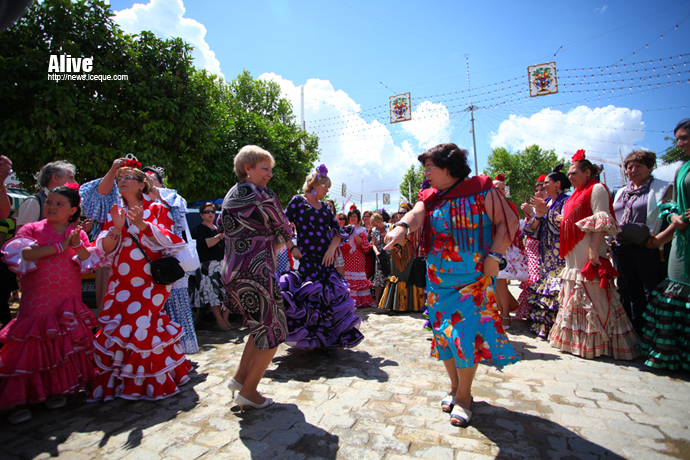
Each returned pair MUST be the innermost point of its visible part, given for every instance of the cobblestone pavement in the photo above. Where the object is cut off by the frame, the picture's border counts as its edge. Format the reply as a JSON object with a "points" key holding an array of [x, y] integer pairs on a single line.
{"points": [[380, 401]]}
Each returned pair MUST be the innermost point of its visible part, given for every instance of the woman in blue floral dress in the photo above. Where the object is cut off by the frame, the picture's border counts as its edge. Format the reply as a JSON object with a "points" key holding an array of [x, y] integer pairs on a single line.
{"points": [[468, 226]]}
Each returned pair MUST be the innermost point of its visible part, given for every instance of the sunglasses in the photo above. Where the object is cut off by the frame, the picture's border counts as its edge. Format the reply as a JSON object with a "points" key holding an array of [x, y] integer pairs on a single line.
{"points": [[121, 178], [343, 219], [208, 212]]}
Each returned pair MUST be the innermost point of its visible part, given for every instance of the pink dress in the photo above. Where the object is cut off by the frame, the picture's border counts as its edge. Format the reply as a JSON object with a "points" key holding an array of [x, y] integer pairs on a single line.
{"points": [[138, 351], [47, 347], [532, 251], [355, 266]]}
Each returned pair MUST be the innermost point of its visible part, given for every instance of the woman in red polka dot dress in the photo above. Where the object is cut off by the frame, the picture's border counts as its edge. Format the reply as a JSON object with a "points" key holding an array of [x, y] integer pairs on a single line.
{"points": [[137, 351], [355, 264]]}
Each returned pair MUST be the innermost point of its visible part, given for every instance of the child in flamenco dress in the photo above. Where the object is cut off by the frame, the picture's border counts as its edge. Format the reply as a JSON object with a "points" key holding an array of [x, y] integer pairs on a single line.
{"points": [[47, 347]]}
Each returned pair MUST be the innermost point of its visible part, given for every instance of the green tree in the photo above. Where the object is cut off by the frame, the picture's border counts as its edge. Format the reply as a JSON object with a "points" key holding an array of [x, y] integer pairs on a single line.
{"points": [[672, 153], [521, 169], [166, 113], [412, 181]]}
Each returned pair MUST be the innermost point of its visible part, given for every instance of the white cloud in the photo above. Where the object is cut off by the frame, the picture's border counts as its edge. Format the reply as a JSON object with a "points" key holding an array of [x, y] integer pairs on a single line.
{"points": [[600, 132], [165, 19], [602, 9], [429, 125], [351, 147], [667, 172]]}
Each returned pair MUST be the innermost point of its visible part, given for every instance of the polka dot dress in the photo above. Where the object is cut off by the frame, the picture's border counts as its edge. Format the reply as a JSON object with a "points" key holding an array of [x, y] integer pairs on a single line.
{"points": [[138, 351]]}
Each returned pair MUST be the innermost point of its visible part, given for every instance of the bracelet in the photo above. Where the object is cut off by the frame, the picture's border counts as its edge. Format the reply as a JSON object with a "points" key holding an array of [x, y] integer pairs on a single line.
{"points": [[58, 248], [293, 247], [78, 247], [495, 255], [113, 236], [403, 224]]}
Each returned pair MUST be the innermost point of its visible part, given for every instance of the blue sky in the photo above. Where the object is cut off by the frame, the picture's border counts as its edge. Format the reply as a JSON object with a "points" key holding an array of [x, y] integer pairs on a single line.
{"points": [[351, 56]]}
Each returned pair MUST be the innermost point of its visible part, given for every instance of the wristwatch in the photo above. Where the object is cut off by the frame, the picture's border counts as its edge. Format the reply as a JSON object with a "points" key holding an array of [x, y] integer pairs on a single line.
{"points": [[402, 224]]}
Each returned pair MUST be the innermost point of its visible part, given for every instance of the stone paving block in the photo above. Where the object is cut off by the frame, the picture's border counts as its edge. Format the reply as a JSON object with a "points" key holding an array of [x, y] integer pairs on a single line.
{"points": [[661, 421], [355, 438], [579, 421], [424, 411], [658, 446], [141, 454], [185, 451], [515, 451], [645, 390], [676, 433], [613, 440], [594, 395], [645, 454], [386, 407], [359, 453], [407, 421], [379, 442], [333, 420], [577, 401], [375, 427], [466, 444], [369, 415], [246, 448], [409, 400], [434, 452], [635, 429], [217, 439], [418, 435], [622, 407], [605, 414]]}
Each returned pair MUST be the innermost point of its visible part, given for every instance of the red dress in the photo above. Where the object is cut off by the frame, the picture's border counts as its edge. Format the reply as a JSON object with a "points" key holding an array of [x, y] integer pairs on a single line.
{"points": [[353, 253], [47, 346], [138, 351]]}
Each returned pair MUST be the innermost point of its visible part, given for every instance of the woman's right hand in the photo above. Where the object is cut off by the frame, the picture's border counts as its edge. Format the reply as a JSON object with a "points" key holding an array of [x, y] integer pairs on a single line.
{"points": [[117, 164], [540, 206], [527, 209], [395, 236], [118, 215], [678, 221]]}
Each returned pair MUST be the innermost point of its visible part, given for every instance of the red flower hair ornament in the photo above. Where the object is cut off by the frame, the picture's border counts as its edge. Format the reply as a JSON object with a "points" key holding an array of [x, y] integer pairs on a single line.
{"points": [[500, 178], [353, 207], [72, 185], [579, 156], [541, 178]]}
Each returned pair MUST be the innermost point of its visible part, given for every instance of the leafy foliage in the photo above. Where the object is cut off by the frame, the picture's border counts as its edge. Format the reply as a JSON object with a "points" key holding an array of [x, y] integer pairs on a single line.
{"points": [[522, 169], [166, 113], [673, 153], [412, 180]]}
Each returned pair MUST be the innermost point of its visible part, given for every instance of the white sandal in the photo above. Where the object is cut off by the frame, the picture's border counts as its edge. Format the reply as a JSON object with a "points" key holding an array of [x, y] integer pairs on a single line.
{"points": [[22, 415], [449, 401], [462, 415]]}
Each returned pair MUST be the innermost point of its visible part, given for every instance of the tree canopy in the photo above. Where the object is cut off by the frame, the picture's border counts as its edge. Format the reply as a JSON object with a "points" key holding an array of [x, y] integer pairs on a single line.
{"points": [[166, 112], [412, 180], [522, 169], [672, 153]]}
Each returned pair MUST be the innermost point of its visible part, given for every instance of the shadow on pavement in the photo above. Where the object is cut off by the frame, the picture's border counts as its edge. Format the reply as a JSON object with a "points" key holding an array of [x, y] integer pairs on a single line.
{"points": [[520, 435], [48, 429], [308, 365], [276, 432]]}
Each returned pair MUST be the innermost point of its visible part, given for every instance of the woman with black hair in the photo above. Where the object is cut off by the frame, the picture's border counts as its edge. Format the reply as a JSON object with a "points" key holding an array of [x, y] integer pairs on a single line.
{"points": [[467, 227], [545, 226], [47, 346], [591, 321], [355, 265]]}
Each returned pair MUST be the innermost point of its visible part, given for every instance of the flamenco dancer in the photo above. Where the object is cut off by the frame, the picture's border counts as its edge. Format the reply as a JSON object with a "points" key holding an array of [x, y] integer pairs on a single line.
{"points": [[47, 346], [318, 306], [354, 252]]}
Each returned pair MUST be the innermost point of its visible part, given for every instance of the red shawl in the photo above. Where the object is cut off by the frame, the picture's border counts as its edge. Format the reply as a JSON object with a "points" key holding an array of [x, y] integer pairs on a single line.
{"points": [[431, 196], [578, 207]]}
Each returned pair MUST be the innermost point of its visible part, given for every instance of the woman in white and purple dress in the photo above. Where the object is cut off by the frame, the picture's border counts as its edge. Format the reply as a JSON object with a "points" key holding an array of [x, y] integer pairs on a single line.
{"points": [[320, 312]]}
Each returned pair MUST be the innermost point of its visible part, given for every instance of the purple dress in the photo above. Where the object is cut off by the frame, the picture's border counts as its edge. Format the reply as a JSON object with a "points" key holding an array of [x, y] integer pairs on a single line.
{"points": [[319, 309], [253, 223], [543, 298]]}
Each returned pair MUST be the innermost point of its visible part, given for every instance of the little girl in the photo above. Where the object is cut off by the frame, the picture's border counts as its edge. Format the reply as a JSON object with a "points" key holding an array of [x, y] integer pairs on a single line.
{"points": [[47, 346]]}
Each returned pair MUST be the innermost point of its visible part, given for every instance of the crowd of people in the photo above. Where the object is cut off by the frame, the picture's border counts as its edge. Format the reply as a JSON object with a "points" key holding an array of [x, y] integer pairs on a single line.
{"points": [[599, 276]]}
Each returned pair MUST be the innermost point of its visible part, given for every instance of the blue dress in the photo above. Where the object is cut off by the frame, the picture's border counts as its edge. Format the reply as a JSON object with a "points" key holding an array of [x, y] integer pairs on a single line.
{"points": [[465, 319]]}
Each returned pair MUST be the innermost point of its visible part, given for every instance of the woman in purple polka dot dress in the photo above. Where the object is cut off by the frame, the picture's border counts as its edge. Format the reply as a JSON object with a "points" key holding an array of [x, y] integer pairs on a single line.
{"points": [[318, 307]]}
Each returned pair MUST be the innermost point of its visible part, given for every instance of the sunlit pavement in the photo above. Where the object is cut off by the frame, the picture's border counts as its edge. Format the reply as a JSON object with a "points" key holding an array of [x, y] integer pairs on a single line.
{"points": [[380, 401]]}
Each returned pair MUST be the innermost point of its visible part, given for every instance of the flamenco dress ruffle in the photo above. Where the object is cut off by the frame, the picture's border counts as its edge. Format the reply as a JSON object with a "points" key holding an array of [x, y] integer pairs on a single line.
{"points": [[544, 304], [320, 312], [134, 366], [532, 253], [47, 347], [665, 338]]}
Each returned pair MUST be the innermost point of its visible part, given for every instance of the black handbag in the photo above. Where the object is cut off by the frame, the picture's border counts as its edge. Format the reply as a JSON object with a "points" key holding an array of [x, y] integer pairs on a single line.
{"points": [[165, 270], [418, 272], [384, 263]]}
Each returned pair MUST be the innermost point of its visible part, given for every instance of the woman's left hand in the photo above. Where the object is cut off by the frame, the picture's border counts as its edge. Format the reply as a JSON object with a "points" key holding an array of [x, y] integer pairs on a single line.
{"points": [[75, 236], [136, 216], [491, 266], [328, 257], [594, 256]]}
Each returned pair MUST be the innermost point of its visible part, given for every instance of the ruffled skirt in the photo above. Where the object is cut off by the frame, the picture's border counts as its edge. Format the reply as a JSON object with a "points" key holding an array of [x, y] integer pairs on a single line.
{"points": [[544, 305], [320, 312], [47, 356], [665, 338], [591, 323], [532, 253], [517, 265]]}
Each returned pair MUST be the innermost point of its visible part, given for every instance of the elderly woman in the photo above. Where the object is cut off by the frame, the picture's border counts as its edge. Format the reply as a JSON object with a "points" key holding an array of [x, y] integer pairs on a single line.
{"points": [[640, 267], [467, 227], [665, 335], [99, 195], [50, 176], [209, 291], [254, 225], [545, 226], [137, 351], [319, 310], [591, 320], [378, 232], [355, 266]]}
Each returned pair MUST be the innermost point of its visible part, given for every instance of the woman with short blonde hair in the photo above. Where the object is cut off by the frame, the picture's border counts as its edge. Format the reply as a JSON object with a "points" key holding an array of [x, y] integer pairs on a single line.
{"points": [[313, 180], [248, 157]]}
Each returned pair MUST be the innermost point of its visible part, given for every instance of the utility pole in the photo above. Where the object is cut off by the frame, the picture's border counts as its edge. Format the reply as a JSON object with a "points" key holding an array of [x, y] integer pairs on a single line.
{"points": [[361, 200], [304, 124], [471, 109]]}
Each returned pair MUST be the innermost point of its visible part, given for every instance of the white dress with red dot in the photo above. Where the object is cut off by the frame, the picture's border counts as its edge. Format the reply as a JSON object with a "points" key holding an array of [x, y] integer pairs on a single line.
{"points": [[138, 350]]}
